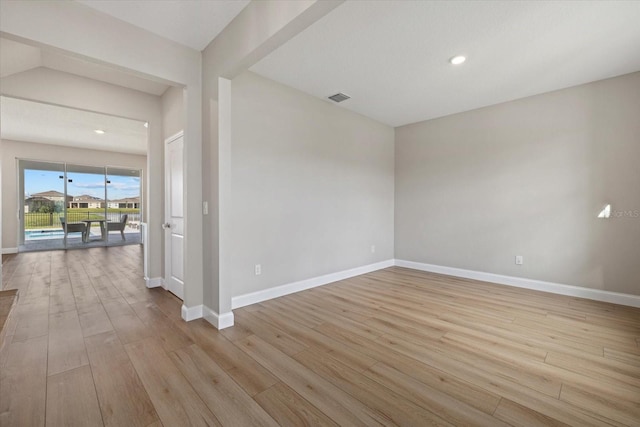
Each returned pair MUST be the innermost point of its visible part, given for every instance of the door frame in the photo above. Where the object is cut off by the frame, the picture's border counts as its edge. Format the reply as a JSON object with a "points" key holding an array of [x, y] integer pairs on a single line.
{"points": [[167, 212]]}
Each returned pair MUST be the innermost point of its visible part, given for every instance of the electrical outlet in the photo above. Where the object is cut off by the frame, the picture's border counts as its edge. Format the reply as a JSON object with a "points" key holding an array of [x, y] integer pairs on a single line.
{"points": [[205, 208], [258, 269], [373, 249], [519, 260]]}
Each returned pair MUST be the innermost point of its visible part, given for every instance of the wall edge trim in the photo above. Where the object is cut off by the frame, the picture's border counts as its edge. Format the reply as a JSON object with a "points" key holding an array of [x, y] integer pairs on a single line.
{"points": [[154, 282], [289, 288], [191, 313], [219, 321], [519, 282]]}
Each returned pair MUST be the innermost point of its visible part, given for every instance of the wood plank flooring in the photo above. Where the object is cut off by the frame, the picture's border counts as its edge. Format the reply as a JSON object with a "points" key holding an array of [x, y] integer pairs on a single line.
{"points": [[8, 301], [89, 345]]}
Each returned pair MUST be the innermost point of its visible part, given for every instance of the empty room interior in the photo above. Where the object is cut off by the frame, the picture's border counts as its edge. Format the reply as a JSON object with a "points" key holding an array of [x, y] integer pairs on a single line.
{"points": [[319, 212]]}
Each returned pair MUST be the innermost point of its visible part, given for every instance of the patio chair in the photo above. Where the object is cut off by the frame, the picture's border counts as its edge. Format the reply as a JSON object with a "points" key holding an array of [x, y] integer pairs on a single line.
{"points": [[118, 226], [74, 227]]}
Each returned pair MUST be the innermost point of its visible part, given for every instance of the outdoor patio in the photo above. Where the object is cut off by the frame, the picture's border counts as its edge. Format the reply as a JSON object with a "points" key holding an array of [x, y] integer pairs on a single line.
{"points": [[54, 239]]}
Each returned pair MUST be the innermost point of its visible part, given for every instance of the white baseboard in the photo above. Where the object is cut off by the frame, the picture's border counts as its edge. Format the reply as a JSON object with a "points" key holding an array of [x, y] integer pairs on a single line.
{"points": [[191, 313], [154, 282], [6, 251], [519, 282], [282, 290], [219, 321]]}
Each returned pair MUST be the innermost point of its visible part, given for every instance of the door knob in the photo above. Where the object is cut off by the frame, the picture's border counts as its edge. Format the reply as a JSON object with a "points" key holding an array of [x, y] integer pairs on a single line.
{"points": [[166, 225]]}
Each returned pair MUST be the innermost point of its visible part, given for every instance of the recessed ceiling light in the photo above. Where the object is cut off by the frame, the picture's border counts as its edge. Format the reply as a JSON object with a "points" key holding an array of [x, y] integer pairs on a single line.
{"points": [[99, 131], [457, 60]]}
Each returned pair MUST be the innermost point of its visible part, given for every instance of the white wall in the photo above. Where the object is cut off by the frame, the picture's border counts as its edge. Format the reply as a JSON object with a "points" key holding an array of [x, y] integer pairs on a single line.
{"points": [[311, 186], [12, 150], [259, 29], [1, 217], [527, 178], [173, 113]]}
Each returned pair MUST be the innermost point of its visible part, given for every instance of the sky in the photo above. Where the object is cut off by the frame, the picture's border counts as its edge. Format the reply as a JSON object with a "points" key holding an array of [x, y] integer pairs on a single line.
{"points": [[37, 181]]}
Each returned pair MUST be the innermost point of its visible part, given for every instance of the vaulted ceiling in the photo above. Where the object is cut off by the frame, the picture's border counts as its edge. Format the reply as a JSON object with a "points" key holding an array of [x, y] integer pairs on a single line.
{"points": [[191, 23], [18, 57]]}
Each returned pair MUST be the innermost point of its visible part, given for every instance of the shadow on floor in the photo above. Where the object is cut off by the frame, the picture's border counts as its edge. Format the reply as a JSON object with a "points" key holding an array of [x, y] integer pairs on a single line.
{"points": [[114, 239]]}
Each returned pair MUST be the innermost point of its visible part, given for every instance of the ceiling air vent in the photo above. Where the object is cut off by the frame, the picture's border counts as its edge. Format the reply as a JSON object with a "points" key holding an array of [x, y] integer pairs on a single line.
{"points": [[339, 97]]}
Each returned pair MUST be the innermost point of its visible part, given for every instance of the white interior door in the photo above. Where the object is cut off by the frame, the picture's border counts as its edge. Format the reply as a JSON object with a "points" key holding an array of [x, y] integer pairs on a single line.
{"points": [[174, 215]]}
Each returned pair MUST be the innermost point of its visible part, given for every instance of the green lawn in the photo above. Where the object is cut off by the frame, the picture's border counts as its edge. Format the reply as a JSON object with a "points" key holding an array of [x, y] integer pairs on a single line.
{"points": [[100, 210], [45, 220]]}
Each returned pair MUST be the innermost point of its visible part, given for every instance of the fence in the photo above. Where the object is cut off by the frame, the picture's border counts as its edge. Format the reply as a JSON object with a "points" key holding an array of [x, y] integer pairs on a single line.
{"points": [[52, 220]]}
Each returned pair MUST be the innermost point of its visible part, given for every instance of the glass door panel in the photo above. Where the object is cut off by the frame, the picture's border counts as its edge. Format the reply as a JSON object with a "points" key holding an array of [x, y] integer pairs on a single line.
{"points": [[42, 194], [86, 210], [76, 206], [123, 206]]}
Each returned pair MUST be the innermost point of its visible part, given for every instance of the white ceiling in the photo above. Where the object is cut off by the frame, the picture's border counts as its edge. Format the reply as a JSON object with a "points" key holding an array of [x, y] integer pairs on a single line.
{"points": [[49, 124], [18, 57], [193, 23], [391, 57]]}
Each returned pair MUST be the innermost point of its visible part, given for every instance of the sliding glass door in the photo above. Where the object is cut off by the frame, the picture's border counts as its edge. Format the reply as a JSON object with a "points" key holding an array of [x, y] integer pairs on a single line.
{"points": [[75, 206], [87, 209], [42, 198], [123, 205]]}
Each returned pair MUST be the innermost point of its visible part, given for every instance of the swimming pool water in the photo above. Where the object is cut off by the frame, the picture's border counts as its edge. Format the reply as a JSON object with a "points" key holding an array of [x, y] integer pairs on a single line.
{"points": [[44, 234]]}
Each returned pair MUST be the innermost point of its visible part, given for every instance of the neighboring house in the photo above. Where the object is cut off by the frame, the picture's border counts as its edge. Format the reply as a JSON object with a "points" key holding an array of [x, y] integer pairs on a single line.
{"points": [[86, 202], [126, 203], [52, 195]]}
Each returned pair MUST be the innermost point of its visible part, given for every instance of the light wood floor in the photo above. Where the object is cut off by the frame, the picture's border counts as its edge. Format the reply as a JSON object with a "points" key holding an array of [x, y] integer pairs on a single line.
{"points": [[90, 346]]}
